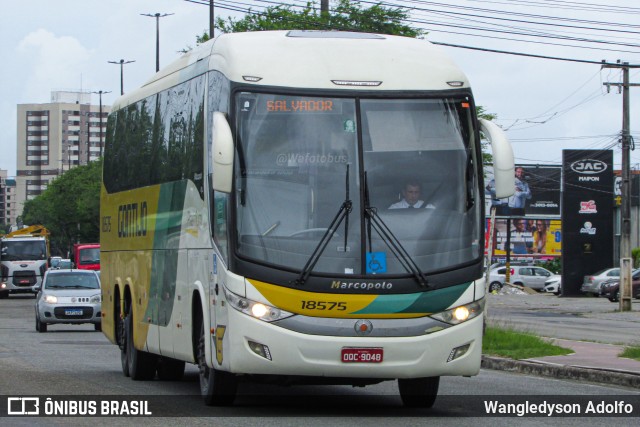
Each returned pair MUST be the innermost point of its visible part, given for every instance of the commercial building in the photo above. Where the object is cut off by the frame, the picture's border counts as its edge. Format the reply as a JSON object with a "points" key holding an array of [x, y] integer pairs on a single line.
{"points": [[7, 198], [55, 137]]}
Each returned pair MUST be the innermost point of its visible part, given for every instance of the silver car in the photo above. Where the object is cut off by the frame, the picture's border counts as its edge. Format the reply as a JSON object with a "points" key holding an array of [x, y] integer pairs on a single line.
{"points": [[592, 282], [69, 296], [530, 276]]}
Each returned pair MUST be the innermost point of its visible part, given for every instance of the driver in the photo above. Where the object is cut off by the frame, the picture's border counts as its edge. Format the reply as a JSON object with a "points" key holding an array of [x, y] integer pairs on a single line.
{"points": [[411, 197]]}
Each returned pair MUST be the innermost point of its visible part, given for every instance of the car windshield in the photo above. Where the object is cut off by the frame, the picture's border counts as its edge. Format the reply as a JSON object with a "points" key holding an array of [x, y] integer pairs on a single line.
{"points": [[72, 281]]}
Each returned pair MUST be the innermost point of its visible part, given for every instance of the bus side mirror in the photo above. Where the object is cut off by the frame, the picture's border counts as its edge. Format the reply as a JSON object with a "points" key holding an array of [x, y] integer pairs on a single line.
{"points": [[503, 167], [222, 155]]}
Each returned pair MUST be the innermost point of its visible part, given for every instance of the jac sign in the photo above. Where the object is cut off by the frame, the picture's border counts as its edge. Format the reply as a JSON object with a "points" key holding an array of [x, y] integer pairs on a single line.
{"points": [[588, 166]]}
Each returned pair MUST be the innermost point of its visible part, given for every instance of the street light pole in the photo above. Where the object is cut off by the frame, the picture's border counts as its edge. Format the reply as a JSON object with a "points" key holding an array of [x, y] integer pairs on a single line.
{"points": [[122, 62], [157, 16], [211, 18], [100, 92]]}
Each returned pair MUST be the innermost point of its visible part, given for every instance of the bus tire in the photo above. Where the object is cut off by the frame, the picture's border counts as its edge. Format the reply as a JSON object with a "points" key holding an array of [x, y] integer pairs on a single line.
{"points": [[419, 392], [170, 369], [121, 335], [141, 365], [217, 388]]}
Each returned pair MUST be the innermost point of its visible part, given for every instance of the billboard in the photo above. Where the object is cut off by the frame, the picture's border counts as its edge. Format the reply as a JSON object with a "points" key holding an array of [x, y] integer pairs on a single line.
{"points": [[538, 238], [537, 192]]}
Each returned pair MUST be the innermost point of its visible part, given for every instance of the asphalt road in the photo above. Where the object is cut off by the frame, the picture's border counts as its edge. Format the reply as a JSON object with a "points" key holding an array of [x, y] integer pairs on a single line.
{"points": [[574, 318], [77, 361]]}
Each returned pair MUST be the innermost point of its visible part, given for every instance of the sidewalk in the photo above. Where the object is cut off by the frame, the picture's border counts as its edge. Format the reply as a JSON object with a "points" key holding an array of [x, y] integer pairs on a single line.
{"points": [[590, 361]]}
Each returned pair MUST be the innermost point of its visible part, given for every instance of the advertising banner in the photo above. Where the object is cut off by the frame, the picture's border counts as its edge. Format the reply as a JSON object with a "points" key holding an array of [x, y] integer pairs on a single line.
{"points": [[537, 238], [537, 192]]}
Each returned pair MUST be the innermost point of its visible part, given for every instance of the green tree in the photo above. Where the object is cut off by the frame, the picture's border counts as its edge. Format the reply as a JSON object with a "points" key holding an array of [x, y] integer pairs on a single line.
{"points": [[69, 208], [346, 15], [487, 158]]}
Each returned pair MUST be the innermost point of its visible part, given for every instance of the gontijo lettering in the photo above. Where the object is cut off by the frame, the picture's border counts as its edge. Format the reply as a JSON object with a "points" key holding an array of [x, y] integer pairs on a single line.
{"points": [[132, 219]]}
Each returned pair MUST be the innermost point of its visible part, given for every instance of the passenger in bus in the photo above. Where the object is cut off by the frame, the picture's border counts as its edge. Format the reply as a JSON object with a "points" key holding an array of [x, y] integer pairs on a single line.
{"points": [[411, 194]]}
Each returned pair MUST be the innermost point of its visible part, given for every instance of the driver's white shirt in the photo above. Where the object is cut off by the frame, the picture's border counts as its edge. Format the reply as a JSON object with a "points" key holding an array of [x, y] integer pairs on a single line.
{"points": [[404, 204]]}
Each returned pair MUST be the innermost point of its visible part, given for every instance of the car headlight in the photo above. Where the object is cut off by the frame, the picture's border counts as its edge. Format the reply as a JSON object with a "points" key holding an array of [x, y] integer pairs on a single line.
{"points": [[462, 313], [51, 299], [95, 299], [256, 309]]}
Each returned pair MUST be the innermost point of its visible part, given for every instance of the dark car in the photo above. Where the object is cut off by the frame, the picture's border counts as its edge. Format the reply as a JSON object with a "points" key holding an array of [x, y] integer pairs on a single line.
{"points": [[611, 288]]}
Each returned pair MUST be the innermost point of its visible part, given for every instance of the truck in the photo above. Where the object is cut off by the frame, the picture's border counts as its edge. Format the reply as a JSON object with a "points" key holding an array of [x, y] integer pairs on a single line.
{"points": [[86, 256], [24, 255]]}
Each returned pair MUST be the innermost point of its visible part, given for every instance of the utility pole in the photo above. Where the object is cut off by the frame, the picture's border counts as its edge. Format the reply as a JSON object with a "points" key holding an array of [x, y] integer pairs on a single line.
{"points": [[324, 7], [122, 62], [100, 92], [211, 19], [625, 232], [157, 16]]}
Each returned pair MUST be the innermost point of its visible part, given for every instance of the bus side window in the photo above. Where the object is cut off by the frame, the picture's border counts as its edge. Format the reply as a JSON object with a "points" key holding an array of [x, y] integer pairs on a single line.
{"points": [[220, 229]]}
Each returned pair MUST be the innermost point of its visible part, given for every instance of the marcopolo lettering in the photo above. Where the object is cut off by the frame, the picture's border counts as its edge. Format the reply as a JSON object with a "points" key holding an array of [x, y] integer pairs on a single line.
{"points": [[132, 220], [363, 286], [588, 166]]}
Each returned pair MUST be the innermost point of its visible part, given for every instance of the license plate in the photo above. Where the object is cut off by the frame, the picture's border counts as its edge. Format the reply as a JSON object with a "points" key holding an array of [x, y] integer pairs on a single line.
{"points": [[73, 312], [362, 355]]}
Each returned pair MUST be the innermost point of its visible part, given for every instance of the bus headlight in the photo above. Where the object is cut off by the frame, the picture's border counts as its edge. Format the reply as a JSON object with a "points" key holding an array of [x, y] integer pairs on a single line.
{"points": [[256, 309], [462, 313]]}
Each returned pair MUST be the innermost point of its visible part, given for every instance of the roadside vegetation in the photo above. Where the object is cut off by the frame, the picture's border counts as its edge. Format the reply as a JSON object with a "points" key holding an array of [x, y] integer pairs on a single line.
{"points": [[518, 345], [631, 353]]}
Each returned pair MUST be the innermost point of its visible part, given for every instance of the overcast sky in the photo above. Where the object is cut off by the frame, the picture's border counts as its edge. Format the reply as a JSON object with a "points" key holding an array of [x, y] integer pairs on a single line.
{"points": [[544, 105]]}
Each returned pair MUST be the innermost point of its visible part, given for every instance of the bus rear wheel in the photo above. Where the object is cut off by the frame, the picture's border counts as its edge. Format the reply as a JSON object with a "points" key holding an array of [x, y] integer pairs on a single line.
{"points": [[217, 388], [419, 392], [141, 365], [121, 336]]}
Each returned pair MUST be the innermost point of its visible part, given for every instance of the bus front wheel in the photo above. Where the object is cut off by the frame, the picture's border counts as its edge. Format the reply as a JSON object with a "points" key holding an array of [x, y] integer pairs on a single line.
{"points": [[218, 388], [419, 392]]}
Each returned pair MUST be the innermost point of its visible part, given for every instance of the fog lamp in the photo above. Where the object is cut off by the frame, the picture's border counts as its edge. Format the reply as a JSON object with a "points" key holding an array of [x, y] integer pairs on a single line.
{"points": [[458, 352], [260, 349]]}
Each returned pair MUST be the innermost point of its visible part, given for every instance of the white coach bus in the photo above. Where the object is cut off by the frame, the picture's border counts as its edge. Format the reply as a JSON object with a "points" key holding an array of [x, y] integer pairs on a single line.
{"points": [[252, 223]]}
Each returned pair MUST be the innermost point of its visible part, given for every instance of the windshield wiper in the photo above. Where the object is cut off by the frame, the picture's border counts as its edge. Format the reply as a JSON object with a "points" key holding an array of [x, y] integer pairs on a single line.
{"points": [[343, 213], [392, 242]]}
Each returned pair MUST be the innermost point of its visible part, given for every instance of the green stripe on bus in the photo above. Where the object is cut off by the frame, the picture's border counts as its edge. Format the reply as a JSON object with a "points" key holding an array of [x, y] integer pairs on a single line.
{"points": [[164, 270], [423, 302]]}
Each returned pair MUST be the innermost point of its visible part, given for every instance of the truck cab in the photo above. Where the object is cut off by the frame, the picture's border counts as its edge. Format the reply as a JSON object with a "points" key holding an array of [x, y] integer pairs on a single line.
{"points": [[86, 256], [23, 262]]}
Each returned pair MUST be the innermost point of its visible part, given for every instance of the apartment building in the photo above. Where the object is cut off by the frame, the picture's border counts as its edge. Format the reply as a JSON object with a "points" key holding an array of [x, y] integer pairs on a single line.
{"points": [[7, 199], [55, 137]]}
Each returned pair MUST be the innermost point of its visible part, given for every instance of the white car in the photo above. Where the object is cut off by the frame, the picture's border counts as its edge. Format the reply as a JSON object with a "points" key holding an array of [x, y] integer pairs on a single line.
{"points": [[69, 296], [553, 285], [521, 275]]}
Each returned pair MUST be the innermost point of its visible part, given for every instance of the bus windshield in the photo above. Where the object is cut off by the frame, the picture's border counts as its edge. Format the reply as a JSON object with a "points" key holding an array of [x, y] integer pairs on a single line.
{"points": [[407, 167]]}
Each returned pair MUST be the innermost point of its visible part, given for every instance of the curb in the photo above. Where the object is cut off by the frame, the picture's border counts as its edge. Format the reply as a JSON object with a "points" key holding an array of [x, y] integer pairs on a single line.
{"points": [[609, 377]]}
